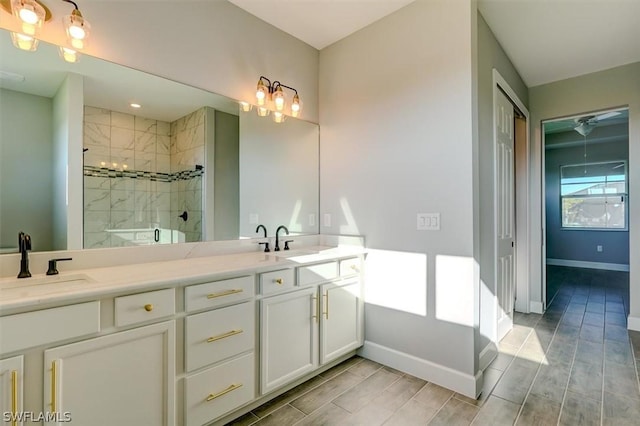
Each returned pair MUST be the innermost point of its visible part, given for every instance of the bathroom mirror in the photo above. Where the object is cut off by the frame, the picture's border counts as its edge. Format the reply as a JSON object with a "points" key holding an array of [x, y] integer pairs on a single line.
{"points": [[184, 154]]}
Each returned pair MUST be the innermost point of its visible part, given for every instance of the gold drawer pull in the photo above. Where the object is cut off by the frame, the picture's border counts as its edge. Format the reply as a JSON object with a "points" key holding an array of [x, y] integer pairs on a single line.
{"points": [[224, 293], [316, 308], [233, 387], [326, 294], [223, 336], [355, 268], [14, 398], [279, 281], [148, 307], [54, 387]]}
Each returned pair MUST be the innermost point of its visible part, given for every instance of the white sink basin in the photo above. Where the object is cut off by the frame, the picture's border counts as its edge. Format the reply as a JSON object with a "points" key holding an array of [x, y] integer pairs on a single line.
{"points": [[294, 253], [74, 279]]}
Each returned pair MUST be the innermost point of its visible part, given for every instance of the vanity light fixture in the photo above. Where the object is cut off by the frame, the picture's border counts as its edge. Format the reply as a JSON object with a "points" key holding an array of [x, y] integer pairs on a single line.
{"points": [[272, 95], [33, 13], [77, 27]]}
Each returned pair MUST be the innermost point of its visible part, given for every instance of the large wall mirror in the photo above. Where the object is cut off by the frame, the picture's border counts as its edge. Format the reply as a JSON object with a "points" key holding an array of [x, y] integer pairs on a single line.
{"points": [[185, 166]]}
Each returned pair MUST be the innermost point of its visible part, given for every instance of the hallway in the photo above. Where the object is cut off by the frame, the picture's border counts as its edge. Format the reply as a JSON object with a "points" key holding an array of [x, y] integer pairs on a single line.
{"points": [[575, 365]]}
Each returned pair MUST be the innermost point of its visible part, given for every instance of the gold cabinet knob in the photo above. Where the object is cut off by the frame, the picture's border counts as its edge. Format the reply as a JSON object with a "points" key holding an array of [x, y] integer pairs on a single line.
{"points": [[279, 281], [148, 307]]}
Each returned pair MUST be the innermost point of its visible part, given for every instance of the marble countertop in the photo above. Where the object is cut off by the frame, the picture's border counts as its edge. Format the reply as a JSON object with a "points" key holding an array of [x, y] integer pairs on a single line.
{"points": [[68, 287]]}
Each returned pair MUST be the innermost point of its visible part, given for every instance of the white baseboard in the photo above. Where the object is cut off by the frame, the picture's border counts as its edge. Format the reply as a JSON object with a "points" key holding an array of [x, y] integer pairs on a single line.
{"points": [[536, 307], [449, 378], [588, 265], [633, 323], [487, 355]]}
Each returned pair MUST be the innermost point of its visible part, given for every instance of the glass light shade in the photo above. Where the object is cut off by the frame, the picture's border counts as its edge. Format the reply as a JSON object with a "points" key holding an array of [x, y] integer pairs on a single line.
{"points": [[24, 42], [296, 106], [261, 93], [69, 55], [263, 112], [30, 14], [278, 117], [77, 29], [278, 99], [245, 106]]}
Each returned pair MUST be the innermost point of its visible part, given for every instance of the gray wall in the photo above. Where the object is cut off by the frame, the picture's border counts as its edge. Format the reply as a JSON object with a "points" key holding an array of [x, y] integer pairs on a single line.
{"points": [[570, 244], [592, 92], [25, 169], [227, 179], [396, 113], [490, 56]]}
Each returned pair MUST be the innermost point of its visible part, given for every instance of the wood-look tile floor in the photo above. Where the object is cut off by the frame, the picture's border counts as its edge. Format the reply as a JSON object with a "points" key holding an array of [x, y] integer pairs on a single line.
{"points": [[575, 365]]}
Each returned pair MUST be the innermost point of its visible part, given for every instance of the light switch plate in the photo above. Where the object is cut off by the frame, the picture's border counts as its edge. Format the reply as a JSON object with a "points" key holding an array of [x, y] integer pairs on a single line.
{"points": [[312, 219], [327, 220], [253, 218], [428, 222]]}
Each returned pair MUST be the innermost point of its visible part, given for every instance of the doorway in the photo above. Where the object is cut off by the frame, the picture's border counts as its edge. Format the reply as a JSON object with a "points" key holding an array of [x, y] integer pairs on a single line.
{"points": [[585, 187]]}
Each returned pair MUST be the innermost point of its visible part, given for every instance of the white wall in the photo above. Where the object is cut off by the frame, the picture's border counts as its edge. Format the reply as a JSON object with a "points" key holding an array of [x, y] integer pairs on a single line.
{"points": [[213, 45], [25, 169], [396, 113], [592, 92]]}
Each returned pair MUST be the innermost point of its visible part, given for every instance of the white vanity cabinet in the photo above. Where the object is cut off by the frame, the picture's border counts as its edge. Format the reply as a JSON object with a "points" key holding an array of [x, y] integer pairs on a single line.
{"points": [[318, 321], [125, 378], [11, 390], [219, 345], [288, 337]]}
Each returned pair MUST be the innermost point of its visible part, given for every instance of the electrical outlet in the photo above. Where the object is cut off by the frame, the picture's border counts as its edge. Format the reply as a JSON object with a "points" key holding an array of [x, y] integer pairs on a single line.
{"points": [[428, 222], [312, 219], [327, 220], [599, 248]]}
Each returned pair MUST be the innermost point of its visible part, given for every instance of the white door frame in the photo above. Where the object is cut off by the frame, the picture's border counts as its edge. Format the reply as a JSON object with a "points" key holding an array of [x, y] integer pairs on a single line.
{"points": [[523, 221]]}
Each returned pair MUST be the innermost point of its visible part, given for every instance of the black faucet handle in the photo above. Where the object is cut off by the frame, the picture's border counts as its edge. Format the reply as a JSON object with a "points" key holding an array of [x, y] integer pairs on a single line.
{"points": [[286, 244], [53, 265], [266, 246]]}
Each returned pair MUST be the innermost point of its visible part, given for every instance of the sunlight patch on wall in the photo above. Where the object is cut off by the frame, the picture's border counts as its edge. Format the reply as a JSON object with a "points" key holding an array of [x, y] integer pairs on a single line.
{"points": [[351, 228], [397, 280], [454, 289], [294, 223]]}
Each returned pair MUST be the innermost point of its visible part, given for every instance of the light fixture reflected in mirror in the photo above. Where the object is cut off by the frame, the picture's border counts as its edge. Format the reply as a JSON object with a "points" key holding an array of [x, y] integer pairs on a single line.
{"points": [[245, 106], [24, 42], [263, 112], [69, 55], [278, 117]]}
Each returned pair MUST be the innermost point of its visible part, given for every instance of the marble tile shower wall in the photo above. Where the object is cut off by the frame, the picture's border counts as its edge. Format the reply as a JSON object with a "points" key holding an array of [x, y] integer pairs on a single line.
{"points": [[124, 142], [187, 152]]}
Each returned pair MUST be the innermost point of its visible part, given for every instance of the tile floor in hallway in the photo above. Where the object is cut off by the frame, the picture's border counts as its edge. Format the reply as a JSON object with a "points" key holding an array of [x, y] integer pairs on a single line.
{"points": [[575, 365]]}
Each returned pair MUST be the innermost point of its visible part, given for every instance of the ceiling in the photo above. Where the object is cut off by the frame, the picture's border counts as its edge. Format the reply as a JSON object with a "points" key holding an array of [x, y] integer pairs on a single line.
{"points": [[546, 40]]}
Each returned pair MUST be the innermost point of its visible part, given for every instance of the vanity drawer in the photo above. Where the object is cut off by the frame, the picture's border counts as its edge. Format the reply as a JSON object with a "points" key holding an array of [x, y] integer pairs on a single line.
{"points": [[218, 293], [271, 282], [219, 390], [144, 307], [215, 335], [320, 272], [350, 266], [36, 328]]}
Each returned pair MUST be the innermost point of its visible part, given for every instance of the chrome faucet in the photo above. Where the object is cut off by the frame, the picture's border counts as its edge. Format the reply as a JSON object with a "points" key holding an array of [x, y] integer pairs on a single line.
{"points": [[277, 247], [24, 244], [265, 244]]}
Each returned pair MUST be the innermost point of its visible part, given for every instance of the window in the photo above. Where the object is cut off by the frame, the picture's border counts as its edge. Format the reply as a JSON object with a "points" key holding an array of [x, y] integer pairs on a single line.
{"points": [[593, 196]]}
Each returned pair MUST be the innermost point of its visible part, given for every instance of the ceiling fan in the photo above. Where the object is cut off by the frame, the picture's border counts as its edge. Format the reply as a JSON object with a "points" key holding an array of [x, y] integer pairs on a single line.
{"points": [[584, 125]]}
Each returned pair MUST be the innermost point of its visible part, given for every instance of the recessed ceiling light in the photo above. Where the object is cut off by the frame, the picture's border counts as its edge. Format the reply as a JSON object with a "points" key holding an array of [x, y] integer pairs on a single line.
{"points": [[134, 105]]}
